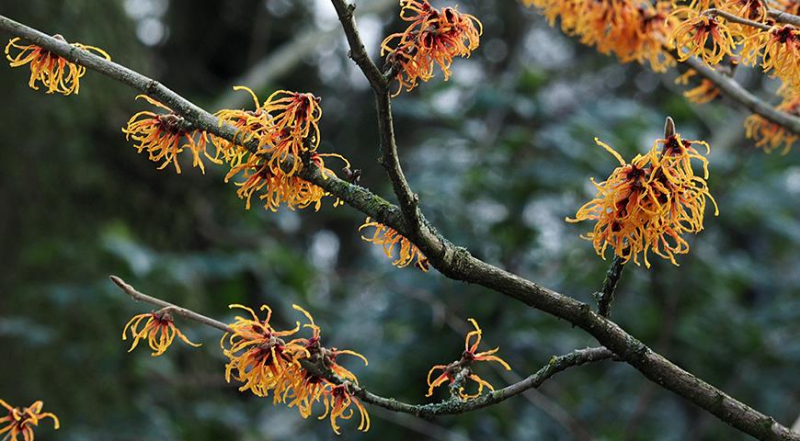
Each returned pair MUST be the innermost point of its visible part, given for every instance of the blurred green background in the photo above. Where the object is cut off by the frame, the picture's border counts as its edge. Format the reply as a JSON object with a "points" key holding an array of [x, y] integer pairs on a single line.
{"points": [[500, 154]]}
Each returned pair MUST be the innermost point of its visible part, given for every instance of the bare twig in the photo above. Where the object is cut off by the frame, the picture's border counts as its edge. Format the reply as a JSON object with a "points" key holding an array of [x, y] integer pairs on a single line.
{"points": [[784, 17], [283, 59], [357, 50], [454, 262], [183, 312], [448, 407], [409, 202], [606, 295]]}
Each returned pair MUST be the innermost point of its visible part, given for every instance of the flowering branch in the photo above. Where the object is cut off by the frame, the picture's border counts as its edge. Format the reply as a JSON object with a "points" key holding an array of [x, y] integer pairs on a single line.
{"points": [[453, 405], [731, 87], [457, 263], [733, 18], [606, 296], [736, 92]]}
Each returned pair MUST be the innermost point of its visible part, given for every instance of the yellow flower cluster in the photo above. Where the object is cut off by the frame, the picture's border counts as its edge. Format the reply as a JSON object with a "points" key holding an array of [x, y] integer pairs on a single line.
{"points": [[390, 239], [650, 203], [655, 32], [265, 361], [285, 129], [55, 73], [632, 30], [705, 36], [433, 38], [771, 136], [773, 46], [461, 370]]}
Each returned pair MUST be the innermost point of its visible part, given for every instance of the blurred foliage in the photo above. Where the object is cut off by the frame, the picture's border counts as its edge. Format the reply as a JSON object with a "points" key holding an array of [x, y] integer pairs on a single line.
{"points": [[500, 154]]}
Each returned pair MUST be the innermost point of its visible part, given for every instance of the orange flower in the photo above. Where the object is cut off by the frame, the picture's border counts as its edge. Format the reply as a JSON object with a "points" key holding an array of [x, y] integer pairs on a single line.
{"points": [[164, 136], [705, 92], [328, 357], [278, 188], [692, 36], [54, 72], [459, 371], [389, 238], [159, 329], [286, 127], [753, 10], [434, 37], [21, 421], [297, 115], [287, 124], [309, 389], [788, 6], [250, 124], [649, 204], [769, 135], [260, 357], [633, 31], [781, 53], [337, 400]]}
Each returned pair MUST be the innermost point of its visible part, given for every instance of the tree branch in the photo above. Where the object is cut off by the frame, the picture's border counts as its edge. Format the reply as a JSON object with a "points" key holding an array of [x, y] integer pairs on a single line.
{"points": [[284, 58], [409, 202], [606, 295], [454, 262], [733, 18], [357, 50], [784, 17], [736, 92], [731, 87], [451, 406], [183, 312]]}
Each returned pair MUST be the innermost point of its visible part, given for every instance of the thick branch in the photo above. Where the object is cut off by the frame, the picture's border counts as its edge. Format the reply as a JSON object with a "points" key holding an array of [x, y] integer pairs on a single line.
{"points": [[448, 407], [457, 263]]}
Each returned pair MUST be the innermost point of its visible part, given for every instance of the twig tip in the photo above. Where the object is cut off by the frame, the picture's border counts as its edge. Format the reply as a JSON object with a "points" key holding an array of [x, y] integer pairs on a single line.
{"points": [[669, 127], [117, 281]]}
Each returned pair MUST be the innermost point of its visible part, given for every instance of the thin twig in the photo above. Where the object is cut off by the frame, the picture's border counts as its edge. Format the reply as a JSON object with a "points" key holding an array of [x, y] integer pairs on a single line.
{"points": [[408, 200], [455, 262], [448, 407], [606, 295], [733, 18], [357, 50], [183, 312], [784, 17], [283, 59]]}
